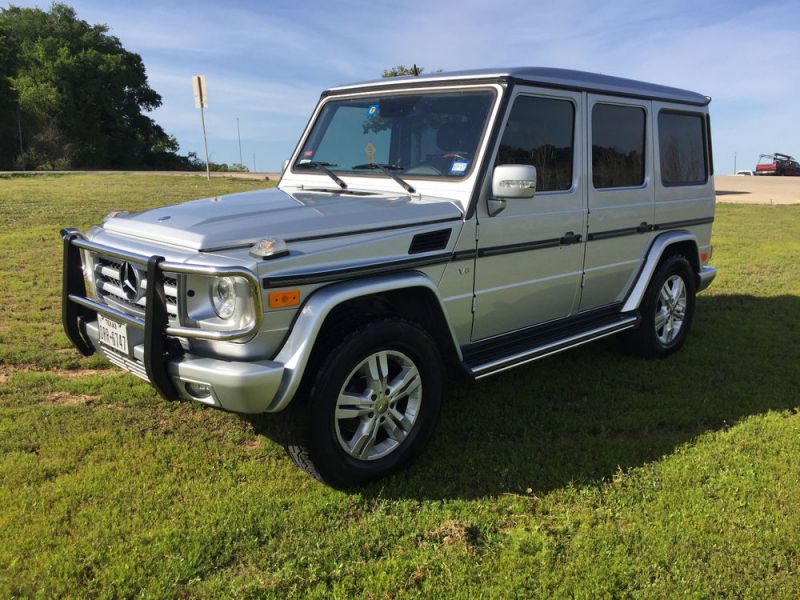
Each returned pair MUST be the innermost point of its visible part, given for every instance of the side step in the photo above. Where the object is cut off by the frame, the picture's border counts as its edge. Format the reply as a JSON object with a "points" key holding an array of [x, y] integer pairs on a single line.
{"points": [[506, 352]]}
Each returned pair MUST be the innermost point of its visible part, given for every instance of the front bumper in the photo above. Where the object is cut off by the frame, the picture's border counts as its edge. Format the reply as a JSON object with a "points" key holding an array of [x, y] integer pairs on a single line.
{"points": [[243, 387], [157, 356]]}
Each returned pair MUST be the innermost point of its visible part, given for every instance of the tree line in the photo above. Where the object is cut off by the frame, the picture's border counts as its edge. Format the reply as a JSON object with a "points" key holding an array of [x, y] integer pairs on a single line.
{"points": [[72, 97]]}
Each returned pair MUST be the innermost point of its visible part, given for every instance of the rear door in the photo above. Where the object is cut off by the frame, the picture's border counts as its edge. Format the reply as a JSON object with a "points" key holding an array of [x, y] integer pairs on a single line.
{"points": [[525, 273], [621, 195]]}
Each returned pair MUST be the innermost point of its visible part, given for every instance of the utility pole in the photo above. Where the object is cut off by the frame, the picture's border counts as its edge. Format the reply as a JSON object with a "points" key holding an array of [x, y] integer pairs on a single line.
{"points": [[254, 162], [734, 163], [239, 135], [201, 102]]}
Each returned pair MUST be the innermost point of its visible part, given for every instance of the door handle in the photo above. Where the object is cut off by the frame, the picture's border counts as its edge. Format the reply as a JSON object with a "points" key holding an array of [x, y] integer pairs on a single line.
{"points": [[570, 238], [644, 227]]}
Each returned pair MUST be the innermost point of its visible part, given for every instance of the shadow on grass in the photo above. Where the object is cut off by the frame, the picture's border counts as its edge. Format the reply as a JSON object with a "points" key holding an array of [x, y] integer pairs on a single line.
{"points": [[579, 417]]}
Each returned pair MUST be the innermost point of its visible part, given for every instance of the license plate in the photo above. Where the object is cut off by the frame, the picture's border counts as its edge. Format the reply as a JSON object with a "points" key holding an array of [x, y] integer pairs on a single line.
{"points": [[113, 334]]}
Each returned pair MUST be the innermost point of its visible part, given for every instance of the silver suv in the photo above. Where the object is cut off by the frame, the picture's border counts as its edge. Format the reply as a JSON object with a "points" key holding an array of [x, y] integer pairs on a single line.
{"points": [[465, 222]]}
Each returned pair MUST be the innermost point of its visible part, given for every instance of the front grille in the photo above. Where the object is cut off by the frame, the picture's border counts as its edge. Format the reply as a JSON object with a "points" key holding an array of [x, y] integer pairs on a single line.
{"points": [[110, 288]]}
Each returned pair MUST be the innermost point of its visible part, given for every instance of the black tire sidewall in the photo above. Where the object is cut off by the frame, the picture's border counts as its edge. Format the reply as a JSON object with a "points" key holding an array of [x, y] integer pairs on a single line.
{"points": [[336, 466], [673, 265]]}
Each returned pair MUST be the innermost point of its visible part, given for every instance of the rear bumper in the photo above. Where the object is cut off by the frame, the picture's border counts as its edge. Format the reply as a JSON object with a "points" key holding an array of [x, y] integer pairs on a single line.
{"points": [[705, 277]]}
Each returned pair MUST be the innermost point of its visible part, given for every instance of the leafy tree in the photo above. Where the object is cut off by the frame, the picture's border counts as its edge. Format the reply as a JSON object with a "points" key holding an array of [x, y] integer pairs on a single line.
{"points": [[402, 70], [80, 96]]}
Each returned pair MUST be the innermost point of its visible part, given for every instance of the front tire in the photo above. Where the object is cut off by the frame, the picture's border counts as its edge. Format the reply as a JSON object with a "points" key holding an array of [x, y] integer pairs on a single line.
{"points": [[667, 310], [373, 404]]}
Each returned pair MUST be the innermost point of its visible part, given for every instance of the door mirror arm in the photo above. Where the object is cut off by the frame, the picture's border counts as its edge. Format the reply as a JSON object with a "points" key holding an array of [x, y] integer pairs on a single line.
{"points": [[494, 206]]}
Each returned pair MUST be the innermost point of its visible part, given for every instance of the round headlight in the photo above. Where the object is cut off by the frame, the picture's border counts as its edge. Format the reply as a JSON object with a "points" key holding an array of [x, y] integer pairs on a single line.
{"points": [[223, 296]]}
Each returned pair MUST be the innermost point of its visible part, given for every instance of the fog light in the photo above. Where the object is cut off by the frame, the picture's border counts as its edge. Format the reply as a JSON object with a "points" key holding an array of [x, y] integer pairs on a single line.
{"points": [[198, 390]]}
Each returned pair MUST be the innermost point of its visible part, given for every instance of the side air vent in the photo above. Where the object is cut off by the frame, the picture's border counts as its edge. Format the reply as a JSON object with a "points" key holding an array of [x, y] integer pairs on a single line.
{"points": [[432, 240]]}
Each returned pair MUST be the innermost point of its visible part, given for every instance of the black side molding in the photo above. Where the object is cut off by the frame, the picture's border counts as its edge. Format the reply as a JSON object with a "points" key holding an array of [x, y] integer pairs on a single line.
{"points": [[646, 228], [353, 272], [686, 223]]}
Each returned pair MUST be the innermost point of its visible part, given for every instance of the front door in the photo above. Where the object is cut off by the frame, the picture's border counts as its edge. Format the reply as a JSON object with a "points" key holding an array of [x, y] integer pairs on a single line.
{"points": [[530, 255]]}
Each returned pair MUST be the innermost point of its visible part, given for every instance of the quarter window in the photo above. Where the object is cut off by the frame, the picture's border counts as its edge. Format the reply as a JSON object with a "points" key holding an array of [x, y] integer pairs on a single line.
{"points": [[540, 132], [618, 138], [681, 146]]}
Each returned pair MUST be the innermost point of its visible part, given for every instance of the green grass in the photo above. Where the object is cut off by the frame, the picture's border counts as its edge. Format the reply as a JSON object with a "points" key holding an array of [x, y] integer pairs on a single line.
{"points": [[587, 474]]}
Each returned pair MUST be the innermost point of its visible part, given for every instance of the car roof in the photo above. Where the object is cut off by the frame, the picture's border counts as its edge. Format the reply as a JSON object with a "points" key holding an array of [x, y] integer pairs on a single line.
{"points": [[546, 77]]}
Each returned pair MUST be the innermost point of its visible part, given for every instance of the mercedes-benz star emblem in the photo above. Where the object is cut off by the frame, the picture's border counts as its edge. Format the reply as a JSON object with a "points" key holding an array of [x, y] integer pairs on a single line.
{"points": [[130, 281]]}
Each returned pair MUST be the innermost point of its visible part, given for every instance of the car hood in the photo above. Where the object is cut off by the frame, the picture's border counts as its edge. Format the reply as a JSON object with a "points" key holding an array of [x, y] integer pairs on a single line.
{"points": [[241, 219]]}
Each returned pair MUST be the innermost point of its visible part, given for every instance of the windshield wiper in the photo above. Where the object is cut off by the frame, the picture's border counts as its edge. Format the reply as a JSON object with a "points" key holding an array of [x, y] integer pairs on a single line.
{"points": [[388, 170], [323, 166]]}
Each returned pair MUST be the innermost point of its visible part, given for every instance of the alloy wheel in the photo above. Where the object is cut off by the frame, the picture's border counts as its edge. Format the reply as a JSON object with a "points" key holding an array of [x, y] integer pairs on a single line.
{"points": [[378, 405]]}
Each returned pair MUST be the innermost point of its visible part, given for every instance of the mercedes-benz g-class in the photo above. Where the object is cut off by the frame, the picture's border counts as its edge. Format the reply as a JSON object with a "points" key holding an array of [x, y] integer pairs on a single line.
{"points": [[456, 222]]}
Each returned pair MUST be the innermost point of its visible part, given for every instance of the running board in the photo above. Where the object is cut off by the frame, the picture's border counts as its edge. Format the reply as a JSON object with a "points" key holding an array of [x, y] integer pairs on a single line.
{"points": [[540, 348]]}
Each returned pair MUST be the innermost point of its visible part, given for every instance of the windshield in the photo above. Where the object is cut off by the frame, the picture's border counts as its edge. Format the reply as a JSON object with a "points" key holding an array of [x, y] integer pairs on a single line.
{"points": [[423, 134]]}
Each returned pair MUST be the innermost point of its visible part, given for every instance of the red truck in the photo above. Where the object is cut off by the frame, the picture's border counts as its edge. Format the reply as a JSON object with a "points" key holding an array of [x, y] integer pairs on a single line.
{"points": [[777, 164]]}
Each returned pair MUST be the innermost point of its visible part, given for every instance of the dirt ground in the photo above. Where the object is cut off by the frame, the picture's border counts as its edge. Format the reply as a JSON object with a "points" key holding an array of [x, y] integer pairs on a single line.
{"points": [[757, 190]]}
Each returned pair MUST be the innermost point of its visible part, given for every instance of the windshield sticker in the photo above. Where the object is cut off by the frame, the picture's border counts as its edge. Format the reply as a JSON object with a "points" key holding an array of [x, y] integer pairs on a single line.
{"points": [[459, 167], [369, 151], [372, 111], [308, 153]]}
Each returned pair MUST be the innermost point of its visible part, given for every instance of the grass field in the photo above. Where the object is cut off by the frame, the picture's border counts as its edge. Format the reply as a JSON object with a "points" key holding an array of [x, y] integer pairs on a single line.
{"points": [[587, 474]]}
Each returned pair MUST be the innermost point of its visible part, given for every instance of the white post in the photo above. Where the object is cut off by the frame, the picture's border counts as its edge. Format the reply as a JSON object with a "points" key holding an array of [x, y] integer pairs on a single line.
{"points": [[200, 101], [205, 143]]}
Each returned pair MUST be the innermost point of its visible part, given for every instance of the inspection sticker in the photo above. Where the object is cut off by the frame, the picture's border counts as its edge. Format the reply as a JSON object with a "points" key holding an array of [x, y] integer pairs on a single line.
{"points": [[372, 111], [459, 167]]}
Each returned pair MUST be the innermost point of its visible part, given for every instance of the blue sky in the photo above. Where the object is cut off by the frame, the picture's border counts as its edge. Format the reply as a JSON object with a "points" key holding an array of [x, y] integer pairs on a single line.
{"points": [[266, 63]]}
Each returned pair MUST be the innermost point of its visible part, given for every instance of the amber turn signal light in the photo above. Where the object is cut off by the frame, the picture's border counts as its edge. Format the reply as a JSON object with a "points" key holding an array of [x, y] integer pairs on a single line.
{"points": [[284, 298]]}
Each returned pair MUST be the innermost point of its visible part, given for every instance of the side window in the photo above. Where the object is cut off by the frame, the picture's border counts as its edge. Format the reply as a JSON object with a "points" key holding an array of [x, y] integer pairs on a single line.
{"points": [[681, 146], [618, 141], [540, 132]]}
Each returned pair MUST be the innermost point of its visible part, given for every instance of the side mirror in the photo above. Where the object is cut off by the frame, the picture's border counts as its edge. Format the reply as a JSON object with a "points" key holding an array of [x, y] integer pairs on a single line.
{"points": [[285, 165], [514, 181]]}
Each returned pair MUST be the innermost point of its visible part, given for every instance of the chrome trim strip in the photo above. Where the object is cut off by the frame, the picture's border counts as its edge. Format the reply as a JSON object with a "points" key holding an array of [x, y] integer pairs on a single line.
{"points": [[521, 358]]}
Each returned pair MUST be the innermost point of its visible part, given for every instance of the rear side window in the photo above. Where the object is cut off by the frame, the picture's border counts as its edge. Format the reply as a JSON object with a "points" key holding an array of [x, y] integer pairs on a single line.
{"points": [[618, 138], [540, 132], [682, 148]]}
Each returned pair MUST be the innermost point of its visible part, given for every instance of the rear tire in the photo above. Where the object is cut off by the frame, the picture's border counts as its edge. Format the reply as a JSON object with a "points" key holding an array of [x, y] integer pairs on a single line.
{"points": [[667, 310], [372, 407]]}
